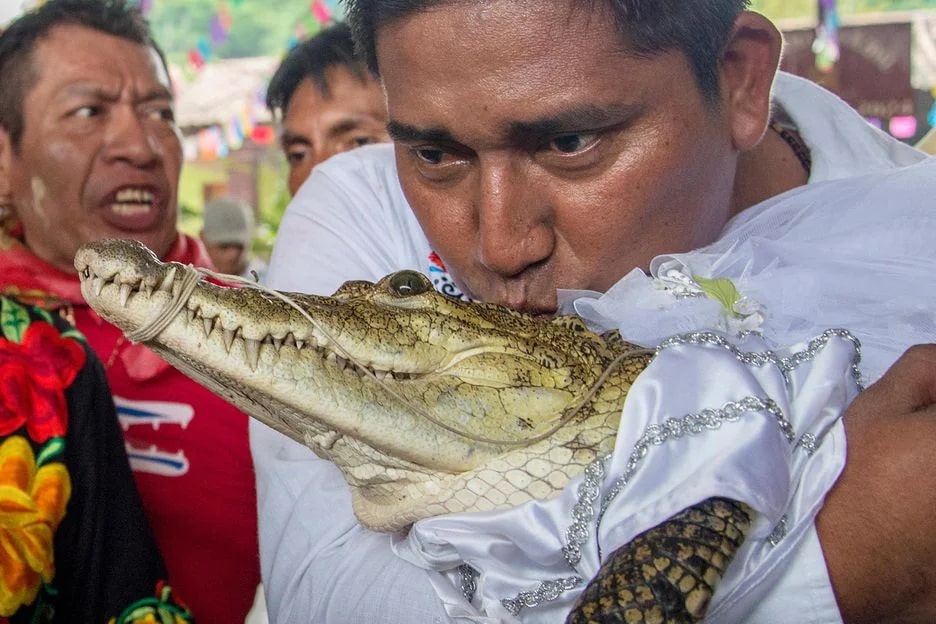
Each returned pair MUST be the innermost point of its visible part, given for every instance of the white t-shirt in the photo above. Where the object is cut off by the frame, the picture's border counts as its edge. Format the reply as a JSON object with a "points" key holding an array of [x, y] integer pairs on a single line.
{"points": [[351, 221]]}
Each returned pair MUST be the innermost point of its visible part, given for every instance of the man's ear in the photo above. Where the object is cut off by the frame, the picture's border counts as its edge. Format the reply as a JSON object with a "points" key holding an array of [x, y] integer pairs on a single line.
{"points": [[748, 67]]}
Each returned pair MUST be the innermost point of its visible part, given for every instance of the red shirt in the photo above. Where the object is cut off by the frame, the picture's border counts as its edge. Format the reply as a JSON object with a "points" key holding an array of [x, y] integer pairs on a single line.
{"points": [[188, 448]]}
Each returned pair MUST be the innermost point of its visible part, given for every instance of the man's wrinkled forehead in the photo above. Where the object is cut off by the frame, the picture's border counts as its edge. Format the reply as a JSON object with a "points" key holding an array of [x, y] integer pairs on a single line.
{"points": [[160, 70], [45, 55]]}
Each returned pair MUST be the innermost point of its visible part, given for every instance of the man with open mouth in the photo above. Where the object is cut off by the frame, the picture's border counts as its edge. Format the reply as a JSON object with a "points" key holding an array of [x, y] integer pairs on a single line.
{"points": [[89, 149]]}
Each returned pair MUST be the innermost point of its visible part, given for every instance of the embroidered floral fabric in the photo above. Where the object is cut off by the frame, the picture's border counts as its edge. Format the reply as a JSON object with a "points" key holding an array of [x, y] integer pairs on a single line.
{"points": [[74, 544], [184, 442]]}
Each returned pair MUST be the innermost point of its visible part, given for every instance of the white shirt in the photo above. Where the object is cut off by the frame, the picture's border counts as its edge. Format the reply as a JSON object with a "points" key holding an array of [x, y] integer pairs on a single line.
{"points": [[351, 221]]}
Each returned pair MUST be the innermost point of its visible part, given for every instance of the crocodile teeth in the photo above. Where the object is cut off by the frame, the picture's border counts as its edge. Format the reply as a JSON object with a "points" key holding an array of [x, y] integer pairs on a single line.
{"points": [[290, 340], [208, 325], [146, 289], [228, 339], [168, 280], [98, 286], [252, 348], [277, 343], [339, 362], [125, 290], [300, 344], [189, 314]]}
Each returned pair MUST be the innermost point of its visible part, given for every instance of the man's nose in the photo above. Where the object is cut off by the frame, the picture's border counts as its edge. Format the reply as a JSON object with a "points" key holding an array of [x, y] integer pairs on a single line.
{"points": [[513, 219], [128, 138], [324, 150]]}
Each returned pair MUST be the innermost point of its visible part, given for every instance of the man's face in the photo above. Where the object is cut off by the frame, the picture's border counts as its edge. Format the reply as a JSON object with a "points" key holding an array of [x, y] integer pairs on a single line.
{"points": [[316, 127], [230, 258], [537, 155], [100, 155]]}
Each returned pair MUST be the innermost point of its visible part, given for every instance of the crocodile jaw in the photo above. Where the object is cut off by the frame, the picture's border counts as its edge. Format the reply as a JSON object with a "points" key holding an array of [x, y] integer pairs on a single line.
{"points": [[467, 392]]}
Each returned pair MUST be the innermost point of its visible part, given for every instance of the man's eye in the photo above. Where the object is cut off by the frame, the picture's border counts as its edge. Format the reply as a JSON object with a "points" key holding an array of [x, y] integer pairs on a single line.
{"points": [[429, 155], [363, 140], [87, 111], [163, 113], [573, 143], [296, 155]]}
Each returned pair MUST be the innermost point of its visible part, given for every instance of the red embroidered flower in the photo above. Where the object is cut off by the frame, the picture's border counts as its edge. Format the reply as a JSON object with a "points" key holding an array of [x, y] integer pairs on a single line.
{"points": [[33, 378]]}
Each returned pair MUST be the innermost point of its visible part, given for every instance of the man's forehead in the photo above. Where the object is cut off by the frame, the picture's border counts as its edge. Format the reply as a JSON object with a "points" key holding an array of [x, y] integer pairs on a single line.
{"points": [[67, 47]]}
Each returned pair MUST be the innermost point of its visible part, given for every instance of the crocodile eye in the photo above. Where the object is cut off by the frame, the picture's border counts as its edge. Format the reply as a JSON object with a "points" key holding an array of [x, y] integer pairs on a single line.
{"points": [[408, 283]]}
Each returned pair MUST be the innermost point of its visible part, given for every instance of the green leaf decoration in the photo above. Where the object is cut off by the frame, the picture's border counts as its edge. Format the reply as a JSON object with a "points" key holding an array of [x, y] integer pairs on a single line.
{"points": [[721, 290], [45, 315], [51, 450], [74, 333], [14, 319]]}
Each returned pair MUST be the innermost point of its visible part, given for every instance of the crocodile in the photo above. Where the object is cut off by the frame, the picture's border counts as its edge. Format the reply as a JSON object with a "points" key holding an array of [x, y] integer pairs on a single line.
{"points": [[429, 405]]}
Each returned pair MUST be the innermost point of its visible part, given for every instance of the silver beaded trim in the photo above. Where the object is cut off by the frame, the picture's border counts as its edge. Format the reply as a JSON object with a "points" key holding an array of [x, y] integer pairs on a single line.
{"points": [[809, 443], [693, 424], [547, 591], [785, 364], [588, 491], [469, 581], [583, 511], [779, 531]]}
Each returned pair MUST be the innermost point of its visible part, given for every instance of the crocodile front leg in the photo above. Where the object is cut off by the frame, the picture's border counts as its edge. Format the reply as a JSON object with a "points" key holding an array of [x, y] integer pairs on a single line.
{"points": [[667, 574]]}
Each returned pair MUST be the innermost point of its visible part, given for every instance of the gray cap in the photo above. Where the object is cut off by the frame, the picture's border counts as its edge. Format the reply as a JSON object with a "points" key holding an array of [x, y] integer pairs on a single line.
{"points": [[228, 220]]}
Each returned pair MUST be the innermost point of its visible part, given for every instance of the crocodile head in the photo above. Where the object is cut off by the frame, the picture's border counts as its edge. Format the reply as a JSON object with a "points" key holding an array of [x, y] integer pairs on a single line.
{"points": [[428, 405]]}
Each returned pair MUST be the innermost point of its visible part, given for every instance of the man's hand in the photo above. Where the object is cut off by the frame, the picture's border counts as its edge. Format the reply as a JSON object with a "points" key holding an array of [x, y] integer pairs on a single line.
{"points": [[878, 524]]}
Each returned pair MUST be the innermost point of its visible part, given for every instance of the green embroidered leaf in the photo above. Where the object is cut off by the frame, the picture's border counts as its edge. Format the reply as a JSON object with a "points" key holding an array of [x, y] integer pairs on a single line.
{"points": [[51, 450], [14, 319], [721, 290], [45, 316], [74, 333]]}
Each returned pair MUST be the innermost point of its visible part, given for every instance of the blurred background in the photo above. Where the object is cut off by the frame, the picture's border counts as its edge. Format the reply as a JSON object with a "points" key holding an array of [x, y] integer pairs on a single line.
{"points": [[879, 55]]}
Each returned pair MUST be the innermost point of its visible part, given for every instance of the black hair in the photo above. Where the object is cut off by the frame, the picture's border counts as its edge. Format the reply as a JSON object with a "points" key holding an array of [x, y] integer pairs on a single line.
{"points": [[18, 44], [331, 47], [699, 28]]}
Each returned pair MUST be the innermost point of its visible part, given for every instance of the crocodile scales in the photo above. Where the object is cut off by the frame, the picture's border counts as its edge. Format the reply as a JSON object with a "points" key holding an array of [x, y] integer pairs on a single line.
{"points": [[428, 405]]}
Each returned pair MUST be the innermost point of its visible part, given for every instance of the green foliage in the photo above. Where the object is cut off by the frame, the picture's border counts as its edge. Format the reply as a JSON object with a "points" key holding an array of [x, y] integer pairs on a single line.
{"points": [[780, 9], [257, 28]]}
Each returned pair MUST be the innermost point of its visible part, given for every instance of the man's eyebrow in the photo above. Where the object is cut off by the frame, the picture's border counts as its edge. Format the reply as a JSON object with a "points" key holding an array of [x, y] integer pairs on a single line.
{"points": [[100, 93], [158, 93], [405, 133], [291, 138], [575, 119], [345, 125]]}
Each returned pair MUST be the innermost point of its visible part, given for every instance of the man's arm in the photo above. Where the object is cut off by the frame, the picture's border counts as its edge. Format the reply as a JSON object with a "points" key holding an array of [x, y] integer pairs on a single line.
{"points": [[878, 524], [349, 221]]}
